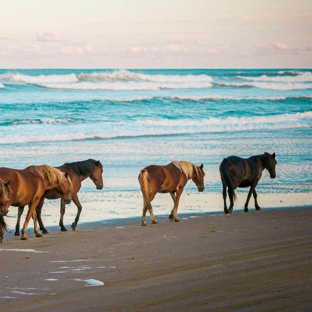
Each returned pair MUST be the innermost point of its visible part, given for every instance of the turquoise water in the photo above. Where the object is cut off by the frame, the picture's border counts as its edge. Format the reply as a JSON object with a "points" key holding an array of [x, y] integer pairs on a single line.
{"points": [[129, 119]]}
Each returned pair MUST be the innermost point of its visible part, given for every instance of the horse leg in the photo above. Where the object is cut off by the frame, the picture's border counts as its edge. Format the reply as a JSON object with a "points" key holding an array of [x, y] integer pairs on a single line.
{"points": [[31, 208], [19, 214], [36, 229], [173, 196], [62, 212], [148, 206], [231, 197], [255, 197], [79, 208], [224, 199], [150, 209], [176, 200], [38, 212], [248, 197]]}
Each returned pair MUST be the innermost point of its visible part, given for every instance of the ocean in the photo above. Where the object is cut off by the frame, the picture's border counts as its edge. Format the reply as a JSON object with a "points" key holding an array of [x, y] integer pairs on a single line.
{"points": [[129, 119]]}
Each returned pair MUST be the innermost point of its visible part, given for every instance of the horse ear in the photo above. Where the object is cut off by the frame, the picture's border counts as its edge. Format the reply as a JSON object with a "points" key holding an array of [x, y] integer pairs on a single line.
{"points": [[201, 166], [8, 183], [273, 155]]}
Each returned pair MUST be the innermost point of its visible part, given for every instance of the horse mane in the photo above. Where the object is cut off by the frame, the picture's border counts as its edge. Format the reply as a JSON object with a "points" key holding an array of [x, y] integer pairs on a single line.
{"points": [[4, 191], [84, 167], [45, 171], [187, 167]]}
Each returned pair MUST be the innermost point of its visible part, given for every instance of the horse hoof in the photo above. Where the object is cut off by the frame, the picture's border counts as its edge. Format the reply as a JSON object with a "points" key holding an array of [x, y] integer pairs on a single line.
{"points": [[258, 208], [143, 224], [39, 235], [170, 217], [176, 220], [73, 226], [245, 210], [154, 222], [45, 231], [63, 229], [24, 238], [17, 234]]}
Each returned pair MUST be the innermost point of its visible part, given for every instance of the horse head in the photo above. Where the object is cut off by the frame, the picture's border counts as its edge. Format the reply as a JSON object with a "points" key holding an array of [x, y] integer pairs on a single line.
{"points": [[198, 177], [271, 163], [5, 192], [65, 188], [96, 175]]}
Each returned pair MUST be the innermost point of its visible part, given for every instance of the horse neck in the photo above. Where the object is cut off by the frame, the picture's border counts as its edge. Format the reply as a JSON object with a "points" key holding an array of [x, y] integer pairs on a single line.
{"points": [[48, 185], [262, 160]]}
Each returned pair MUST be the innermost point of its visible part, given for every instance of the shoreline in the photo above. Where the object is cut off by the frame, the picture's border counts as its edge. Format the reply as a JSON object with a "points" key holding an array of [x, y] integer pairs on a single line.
{"points": [[114, 208]]}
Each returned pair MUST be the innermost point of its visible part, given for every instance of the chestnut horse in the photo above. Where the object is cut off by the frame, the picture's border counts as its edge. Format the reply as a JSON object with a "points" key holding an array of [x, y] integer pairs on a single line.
{"points": [[240, 172], [77, 171], [29, 185], [168, 179], [5, 192]]}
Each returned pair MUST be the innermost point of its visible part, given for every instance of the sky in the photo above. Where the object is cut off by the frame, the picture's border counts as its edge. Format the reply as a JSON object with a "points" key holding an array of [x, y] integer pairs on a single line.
{"points": [[129, 34]]}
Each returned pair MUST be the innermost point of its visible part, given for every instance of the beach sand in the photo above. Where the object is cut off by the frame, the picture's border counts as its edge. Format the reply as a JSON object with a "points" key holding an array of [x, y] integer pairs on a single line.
{"points": [[255, 261]]}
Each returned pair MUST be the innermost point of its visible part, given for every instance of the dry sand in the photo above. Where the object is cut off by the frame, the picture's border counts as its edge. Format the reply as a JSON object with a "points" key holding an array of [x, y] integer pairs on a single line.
{"points": [[255, 261]]}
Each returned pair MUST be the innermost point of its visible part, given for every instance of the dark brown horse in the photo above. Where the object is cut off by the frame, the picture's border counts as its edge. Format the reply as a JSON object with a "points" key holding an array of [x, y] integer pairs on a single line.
{"points": [[77, 171], [240, 172], [5, 192], [29, 185], [168, 179]]}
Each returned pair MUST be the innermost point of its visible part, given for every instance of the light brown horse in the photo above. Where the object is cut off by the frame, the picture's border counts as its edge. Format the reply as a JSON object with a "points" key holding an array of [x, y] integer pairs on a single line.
{"points": [[240, 172], [5, 192], [29, 185], [77, 171], [172, 179]]}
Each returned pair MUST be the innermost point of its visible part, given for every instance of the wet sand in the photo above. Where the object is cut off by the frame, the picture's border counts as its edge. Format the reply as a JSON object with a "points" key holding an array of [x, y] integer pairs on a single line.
{"points": [[255, 261]]}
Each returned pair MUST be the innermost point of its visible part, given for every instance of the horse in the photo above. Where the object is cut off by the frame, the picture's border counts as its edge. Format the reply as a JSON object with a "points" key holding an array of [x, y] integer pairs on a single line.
{"points": [[5, 191], [77, 171], [240, 172], [170, 178], [29, 185]]}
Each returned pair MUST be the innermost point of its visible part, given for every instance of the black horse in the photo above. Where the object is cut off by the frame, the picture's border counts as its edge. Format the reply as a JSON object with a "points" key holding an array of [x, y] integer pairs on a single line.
{"points": [[240, 172]]}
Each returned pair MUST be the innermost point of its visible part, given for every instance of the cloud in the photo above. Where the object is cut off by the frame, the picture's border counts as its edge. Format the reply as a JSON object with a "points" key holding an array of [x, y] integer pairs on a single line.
{"points": [[48, 36], [279, 45], [3, 37]]}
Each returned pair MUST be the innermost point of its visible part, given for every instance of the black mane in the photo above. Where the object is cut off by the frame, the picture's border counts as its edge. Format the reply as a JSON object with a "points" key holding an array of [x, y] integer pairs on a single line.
{"points": [[84, 167]]}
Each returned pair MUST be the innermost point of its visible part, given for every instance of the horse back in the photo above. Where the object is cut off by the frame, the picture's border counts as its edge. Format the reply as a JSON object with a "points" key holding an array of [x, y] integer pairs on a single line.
{"points": [[165, 178], [243, 171], [23, 185]]}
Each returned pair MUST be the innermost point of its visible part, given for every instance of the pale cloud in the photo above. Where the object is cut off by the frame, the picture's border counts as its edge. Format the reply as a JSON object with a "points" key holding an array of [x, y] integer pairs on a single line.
{"points": [[78, 50], [48, 36], [279, 45], [3, 37]]}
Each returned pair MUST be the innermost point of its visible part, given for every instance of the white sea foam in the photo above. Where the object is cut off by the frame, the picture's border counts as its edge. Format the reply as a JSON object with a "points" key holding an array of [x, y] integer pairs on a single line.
{"points": [[271, 86], [117, 80], [90, 282], [152, 127], [1, 86], [228, 98], [299, 77], [40, 78], [23, 250], [124, 75], [128, 85]]}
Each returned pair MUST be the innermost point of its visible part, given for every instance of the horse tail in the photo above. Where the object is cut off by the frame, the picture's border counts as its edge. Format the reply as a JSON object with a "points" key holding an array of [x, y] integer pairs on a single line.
{"points": [[226, 178], [3, 228], [144, 184]]}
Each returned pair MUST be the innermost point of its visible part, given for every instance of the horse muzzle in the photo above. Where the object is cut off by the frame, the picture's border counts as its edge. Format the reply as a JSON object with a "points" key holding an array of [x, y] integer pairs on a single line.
{"points": [[273, 175], [201, 189], [99, 186]]}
